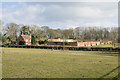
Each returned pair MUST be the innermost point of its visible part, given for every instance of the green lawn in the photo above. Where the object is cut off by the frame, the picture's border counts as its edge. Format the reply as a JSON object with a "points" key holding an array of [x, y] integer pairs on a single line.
{"points": [[107, 45], [103, 45], [41, 63]]}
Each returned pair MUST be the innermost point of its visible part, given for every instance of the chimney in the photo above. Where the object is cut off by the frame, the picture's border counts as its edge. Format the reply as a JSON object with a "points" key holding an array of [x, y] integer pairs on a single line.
{"points": [[22, 34], [30, 35]]}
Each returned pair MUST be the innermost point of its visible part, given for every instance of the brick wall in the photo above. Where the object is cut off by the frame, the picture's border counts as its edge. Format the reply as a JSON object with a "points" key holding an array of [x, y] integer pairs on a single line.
{"points": [[88, 43], [26, 38], [19, 39]]}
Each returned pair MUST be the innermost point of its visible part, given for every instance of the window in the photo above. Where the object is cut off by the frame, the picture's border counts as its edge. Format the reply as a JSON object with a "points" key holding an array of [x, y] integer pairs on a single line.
{"points": [[26, 40], [69, 40]]}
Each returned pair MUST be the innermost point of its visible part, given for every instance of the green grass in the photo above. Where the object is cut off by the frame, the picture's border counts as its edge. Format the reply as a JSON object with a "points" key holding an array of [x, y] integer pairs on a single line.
{"points": [[41, 63], [107, 45], [103, 45]]}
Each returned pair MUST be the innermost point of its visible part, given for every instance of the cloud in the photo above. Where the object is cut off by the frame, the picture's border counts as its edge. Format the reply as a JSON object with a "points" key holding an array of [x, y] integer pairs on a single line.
{"points": [[64, 15], [60, 0]]}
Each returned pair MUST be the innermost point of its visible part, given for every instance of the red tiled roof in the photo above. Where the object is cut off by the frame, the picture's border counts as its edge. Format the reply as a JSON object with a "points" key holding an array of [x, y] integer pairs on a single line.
{"points": [[26, 36], [61, 40]]}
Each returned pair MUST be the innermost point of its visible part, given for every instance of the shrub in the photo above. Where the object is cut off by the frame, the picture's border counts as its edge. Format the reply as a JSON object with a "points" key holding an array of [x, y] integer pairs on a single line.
{"points": [[41, 41], [66, 43], [56, 43], [22, 43]]}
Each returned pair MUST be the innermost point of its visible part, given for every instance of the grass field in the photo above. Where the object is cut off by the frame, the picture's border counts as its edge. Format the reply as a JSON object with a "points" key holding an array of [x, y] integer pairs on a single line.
{"points": [[103, 45], [41, 63], [107, 45]]}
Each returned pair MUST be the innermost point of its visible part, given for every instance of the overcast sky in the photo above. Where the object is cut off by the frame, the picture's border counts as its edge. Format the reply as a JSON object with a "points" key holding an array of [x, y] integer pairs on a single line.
{"points": [[61, 14]]}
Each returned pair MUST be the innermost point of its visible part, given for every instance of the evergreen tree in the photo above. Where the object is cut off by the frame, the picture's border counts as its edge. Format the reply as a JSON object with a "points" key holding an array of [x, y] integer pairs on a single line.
{"points": [[33, 41]]}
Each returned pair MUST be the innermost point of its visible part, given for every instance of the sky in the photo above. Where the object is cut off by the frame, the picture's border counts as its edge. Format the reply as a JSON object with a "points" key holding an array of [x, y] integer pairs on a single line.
{"points": [[61, 14]]}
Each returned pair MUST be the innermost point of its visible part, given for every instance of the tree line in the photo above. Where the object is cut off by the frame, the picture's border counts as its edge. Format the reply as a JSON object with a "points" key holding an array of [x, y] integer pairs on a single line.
{"points": [[11, 31]]}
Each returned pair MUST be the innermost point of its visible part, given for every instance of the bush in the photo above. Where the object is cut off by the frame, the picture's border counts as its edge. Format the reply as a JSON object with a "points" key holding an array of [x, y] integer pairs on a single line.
{"points": [[22, 43], [66, 43], [41, 42]]}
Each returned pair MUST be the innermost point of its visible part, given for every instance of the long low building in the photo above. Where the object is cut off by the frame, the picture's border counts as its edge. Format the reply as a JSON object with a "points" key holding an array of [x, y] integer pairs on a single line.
{"points": [[61, 42], [88, 43], [71, 42]]}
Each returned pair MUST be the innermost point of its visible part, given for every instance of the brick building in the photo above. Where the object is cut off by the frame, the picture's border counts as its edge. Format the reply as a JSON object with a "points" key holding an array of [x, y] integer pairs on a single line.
{"points": [[61, 42], [71, 42], [88, 43], [26, 38]]}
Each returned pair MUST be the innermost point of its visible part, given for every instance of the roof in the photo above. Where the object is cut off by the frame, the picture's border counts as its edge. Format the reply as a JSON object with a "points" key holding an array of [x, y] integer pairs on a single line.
{"points": [[26, 36], [61, 40]]}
